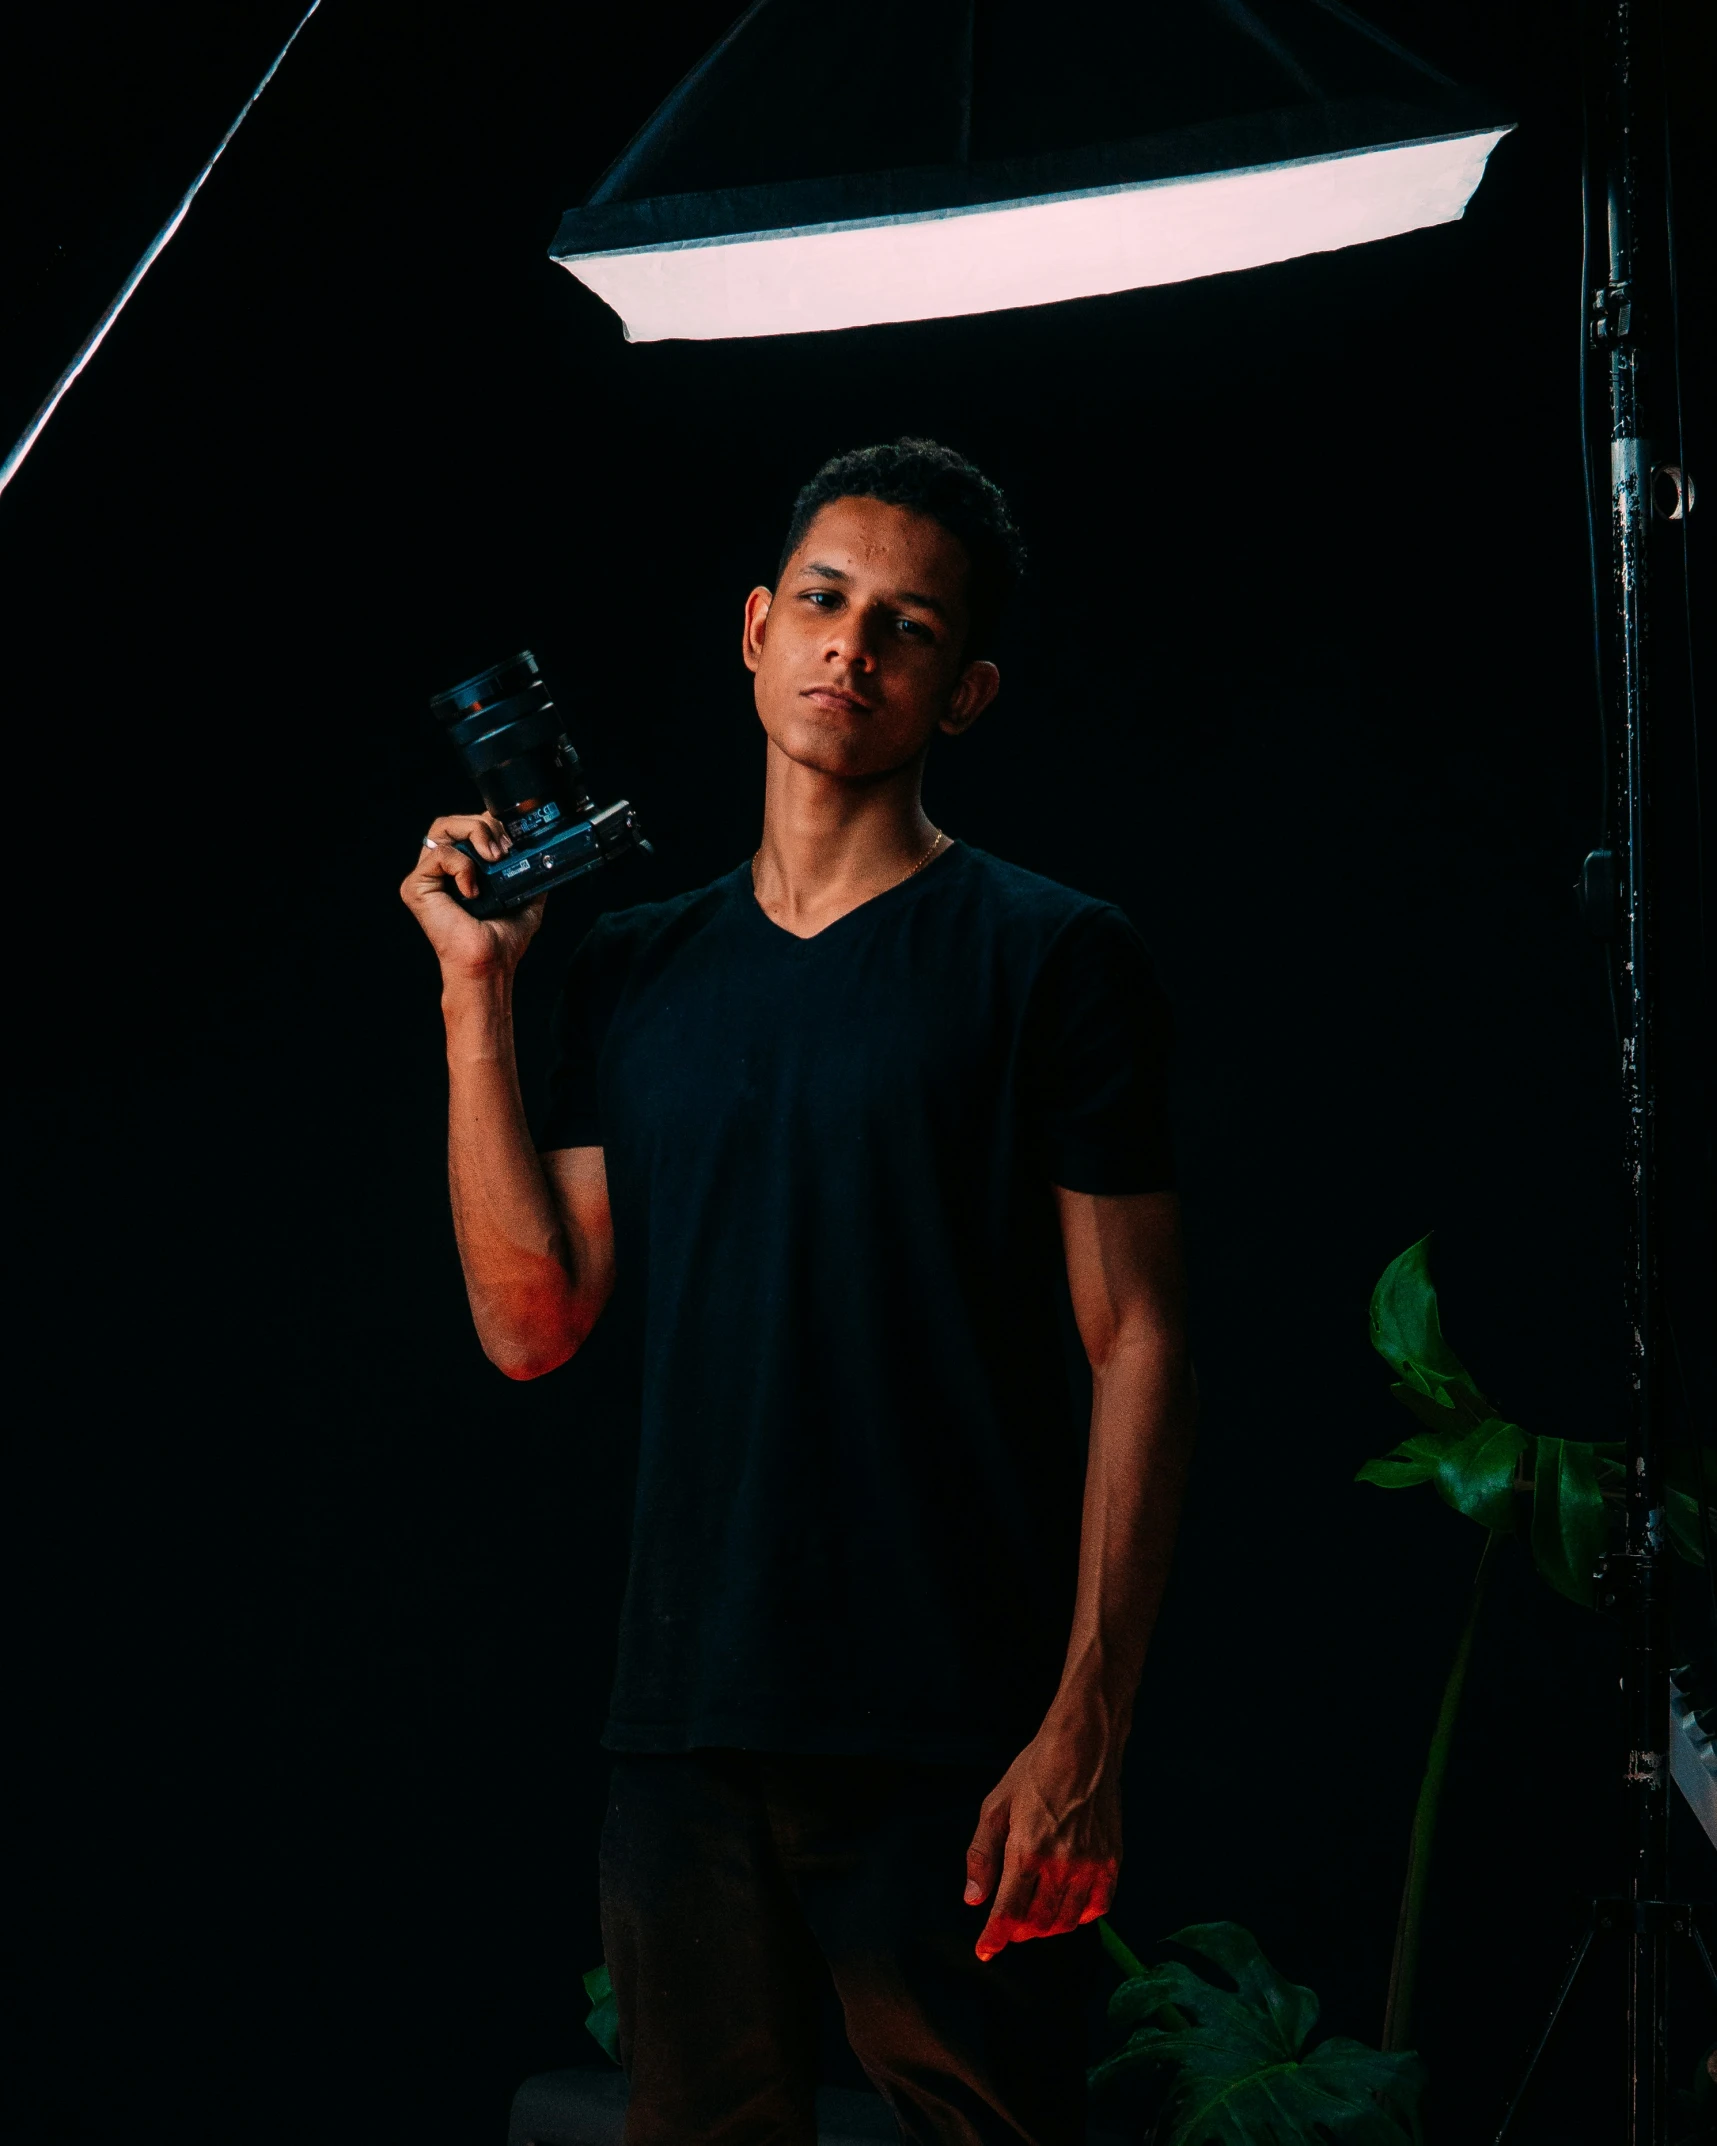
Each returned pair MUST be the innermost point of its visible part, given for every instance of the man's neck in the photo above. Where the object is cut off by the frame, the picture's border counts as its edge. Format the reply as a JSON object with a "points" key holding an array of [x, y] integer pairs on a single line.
{"points": [[830, 845]]}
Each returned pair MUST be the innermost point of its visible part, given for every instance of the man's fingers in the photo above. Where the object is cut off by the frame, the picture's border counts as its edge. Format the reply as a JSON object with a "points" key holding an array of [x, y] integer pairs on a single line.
{"points": [[482, 830], [1083, 1896], [984, 1856], [455, 865], [435, 867], [1051, 1901], [1102, 1893], [1074, 1906], [461, 826], [1011, 1915], [1046, 1900]]}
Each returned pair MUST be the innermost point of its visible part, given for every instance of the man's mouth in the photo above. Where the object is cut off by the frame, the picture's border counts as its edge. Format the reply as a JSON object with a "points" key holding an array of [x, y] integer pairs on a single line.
{"points": [[836, 701]]}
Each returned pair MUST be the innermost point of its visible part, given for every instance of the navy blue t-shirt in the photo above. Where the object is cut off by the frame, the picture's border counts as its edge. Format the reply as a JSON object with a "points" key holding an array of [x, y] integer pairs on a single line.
{"points": [[830, 1164]]}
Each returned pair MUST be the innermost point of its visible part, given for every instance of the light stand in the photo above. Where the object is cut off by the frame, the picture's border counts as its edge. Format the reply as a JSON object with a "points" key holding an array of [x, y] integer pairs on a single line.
{"points": [[1634, 1580], [1638, 1574]]}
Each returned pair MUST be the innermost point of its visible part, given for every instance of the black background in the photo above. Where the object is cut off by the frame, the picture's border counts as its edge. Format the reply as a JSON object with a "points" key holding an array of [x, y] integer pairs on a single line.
{"points": [[313, 1628]]}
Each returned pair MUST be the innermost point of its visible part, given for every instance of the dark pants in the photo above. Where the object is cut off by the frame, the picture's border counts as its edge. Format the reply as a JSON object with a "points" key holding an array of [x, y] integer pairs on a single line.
{"points": [[729, 1877]]}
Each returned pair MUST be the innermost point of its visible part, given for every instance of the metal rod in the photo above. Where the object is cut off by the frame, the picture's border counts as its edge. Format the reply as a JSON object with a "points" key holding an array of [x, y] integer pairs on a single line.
{"points": [[98, 334], [1705, 1961], [1619, 323], [1549, 2033]]}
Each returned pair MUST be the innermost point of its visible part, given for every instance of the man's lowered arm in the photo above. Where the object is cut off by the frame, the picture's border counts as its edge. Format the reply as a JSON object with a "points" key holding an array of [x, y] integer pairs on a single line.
{"points": [[1048, 1845]]}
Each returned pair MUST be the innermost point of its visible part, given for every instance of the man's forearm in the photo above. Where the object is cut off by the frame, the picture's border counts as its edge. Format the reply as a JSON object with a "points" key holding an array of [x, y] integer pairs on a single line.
{"points": [[512, 1244], [1142, 1417]]}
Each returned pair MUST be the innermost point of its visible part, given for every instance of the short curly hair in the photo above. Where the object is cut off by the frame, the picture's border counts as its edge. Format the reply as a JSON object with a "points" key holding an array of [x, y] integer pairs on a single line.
{"points": [[932, 480]]}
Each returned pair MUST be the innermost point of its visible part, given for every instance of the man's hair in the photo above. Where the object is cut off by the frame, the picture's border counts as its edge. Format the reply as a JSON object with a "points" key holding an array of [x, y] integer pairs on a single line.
{"points": [[934, 481]]}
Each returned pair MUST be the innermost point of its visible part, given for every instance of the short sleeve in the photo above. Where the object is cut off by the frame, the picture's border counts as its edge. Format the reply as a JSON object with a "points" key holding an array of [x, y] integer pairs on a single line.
{"points": [[571, 1116], [1098, 1037]]}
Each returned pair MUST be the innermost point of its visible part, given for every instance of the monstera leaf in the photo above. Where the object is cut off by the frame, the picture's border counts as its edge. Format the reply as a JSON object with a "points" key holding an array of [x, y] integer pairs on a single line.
{"points": [[602, 2021], [1407, 1332], [1472, 1455], [1569, 1531], [1243, 2073], [1473, 1470]]}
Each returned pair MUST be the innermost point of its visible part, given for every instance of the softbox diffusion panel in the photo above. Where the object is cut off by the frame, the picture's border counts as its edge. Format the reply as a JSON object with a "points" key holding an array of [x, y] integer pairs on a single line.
{"points": [[964, 158]]}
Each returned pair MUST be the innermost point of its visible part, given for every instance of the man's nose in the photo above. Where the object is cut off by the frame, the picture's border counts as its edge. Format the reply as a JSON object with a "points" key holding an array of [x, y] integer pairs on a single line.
{"points": [[852, 640]]}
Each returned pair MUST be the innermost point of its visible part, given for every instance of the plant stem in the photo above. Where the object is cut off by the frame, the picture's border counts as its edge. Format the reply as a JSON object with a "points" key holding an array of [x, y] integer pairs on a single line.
{"points": [[1404, 1967], [1127, 1962]]}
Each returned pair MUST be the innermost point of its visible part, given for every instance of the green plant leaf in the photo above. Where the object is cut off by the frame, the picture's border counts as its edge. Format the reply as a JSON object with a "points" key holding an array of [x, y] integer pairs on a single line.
{"points": [[1396, 1472], [602, 2022], [1243, 2075], [1569, 1530], [1407, 1332], [1291, 2008], [1473, 1470]]}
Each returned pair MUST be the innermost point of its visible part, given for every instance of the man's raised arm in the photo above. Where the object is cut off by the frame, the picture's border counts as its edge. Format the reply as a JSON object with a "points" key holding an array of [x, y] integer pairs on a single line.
{"points": [[1048, 1845], [535, 1237]]}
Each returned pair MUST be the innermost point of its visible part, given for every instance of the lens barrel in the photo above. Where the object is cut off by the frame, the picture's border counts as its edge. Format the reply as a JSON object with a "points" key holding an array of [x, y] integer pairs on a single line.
{"points": [[503, 726]]}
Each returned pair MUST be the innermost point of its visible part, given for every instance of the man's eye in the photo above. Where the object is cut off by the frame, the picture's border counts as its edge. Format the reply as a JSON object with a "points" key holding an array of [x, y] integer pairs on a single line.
{"points": [[914, 626], [820, 597]]}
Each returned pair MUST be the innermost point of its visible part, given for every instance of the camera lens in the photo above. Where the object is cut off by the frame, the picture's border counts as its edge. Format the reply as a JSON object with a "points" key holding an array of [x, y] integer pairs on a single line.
{"points": [[503, 725]]}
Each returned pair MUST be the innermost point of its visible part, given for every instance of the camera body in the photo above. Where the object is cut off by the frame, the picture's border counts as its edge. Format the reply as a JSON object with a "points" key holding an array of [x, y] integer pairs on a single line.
{"points": [[503, 726]]}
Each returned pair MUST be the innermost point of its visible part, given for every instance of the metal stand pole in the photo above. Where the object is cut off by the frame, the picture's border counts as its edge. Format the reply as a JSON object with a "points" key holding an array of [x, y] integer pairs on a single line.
{"points": [[1635, 1579], [1625, 310]]}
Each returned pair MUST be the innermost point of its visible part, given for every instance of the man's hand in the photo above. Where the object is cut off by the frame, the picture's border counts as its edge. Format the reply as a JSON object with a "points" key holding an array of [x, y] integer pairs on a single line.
{"points": [[1048, 1844], [469, 947]]}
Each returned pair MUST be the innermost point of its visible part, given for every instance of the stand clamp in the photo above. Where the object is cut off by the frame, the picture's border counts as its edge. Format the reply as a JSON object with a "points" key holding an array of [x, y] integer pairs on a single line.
{"points": [[1611, 322]]}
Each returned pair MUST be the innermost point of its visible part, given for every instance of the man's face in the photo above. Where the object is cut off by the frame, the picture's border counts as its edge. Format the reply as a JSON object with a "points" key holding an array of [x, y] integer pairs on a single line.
{"points": [[857, 653]]}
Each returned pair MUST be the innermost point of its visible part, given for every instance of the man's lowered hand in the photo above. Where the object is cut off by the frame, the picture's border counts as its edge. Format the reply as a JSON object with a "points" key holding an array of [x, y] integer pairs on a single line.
{"points": [[1047, 1850]]}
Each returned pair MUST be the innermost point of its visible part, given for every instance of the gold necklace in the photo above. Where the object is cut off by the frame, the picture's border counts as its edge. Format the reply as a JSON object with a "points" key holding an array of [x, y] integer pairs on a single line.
{"points": [[913, 873]]}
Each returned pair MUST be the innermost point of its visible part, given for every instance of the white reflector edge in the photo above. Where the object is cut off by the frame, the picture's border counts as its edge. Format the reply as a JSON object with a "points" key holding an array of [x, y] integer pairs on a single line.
{"points": [[1036, 252]]}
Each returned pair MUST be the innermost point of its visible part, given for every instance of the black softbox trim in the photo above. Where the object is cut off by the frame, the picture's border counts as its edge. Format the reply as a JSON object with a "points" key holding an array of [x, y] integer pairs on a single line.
{"points": [[1298, 134]]}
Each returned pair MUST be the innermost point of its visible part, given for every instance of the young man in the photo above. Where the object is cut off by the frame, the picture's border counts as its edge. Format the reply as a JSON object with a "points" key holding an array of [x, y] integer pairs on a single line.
{"points": [[848, 1122]]}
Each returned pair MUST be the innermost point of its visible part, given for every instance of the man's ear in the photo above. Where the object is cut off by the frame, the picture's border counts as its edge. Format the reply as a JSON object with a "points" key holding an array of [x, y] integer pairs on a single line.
{"points": [[756, 618], [979, 683]]}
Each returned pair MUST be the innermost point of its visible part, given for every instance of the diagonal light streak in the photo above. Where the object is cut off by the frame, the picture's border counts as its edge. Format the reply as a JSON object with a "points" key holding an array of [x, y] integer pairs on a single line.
{"points": [[98, 334]]}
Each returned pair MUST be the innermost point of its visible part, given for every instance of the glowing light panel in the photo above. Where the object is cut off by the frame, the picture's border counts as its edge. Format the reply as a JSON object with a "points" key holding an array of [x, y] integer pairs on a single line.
{"points": [[1033, 252]]}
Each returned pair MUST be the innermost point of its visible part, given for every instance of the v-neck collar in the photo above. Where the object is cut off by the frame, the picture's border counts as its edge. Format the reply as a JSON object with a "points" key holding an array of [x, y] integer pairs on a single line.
{"points": [[903, 889]]}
